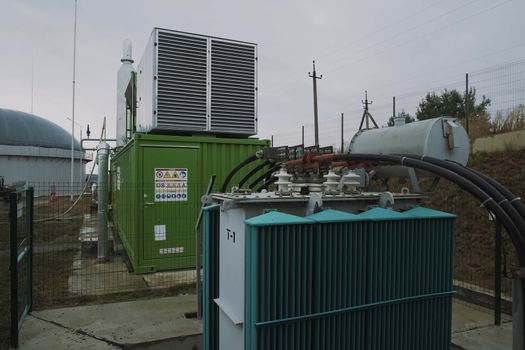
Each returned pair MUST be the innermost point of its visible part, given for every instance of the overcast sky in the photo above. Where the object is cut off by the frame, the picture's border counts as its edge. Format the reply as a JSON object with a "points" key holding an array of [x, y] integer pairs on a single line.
{"points": [[400, 47]]}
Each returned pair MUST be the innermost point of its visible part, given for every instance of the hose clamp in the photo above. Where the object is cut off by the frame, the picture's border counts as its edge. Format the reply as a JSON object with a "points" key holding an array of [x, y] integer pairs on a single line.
{"points": [[485, 202]]}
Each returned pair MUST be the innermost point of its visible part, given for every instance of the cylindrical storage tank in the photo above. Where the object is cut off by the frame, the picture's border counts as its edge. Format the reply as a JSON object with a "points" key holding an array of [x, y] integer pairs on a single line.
{"points": [[442, 138]]}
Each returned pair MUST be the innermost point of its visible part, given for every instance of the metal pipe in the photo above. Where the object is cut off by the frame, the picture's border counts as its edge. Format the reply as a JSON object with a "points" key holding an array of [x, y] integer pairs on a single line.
{"points": [[102, 159], [497, 275], [518, 299]]}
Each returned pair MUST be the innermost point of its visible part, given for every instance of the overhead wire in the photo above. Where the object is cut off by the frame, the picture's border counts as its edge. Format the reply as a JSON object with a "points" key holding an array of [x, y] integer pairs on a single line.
{"points": [[379, 30], [330, 67]]}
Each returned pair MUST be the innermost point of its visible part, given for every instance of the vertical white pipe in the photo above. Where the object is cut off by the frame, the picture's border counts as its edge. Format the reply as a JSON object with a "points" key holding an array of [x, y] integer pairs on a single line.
{"points": [[102, 225], [123, 78]]}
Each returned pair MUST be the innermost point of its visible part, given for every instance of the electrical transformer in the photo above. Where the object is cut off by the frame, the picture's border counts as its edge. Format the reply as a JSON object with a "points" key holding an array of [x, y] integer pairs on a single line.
{"points": [[326, 271]]}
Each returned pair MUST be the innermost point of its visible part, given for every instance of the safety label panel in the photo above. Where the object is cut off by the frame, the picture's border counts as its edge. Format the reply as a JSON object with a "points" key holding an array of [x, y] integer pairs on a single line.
{"points": [[171, 184]]}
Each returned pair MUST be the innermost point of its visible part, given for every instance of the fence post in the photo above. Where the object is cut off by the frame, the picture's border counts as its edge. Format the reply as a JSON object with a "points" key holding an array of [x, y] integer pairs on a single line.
{"points": [[29, 218], [497, 276], [466, 102], [13, 267]]}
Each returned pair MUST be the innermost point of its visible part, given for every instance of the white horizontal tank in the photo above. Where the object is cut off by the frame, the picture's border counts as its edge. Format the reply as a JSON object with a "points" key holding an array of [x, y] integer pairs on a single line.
{"points": [[442, 138]]}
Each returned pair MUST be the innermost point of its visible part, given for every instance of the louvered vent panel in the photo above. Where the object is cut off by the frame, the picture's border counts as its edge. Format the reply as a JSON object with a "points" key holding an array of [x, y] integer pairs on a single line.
{"points": [[182, 82], [233, 87]]}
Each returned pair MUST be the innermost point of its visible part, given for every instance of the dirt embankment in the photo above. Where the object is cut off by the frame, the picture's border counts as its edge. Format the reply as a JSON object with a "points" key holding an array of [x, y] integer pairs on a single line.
{"points": [[474, 240]]}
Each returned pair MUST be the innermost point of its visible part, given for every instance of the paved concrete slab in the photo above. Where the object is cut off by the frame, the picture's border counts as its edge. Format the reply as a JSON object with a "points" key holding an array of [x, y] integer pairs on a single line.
{"points": [[37, 334], [473, 328], [161, 324], [90, 277], [486, 338], [118, 324]]}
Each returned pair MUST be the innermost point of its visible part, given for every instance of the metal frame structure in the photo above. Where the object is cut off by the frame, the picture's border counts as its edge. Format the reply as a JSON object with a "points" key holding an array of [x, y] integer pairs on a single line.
{"points": [[20, 251]]}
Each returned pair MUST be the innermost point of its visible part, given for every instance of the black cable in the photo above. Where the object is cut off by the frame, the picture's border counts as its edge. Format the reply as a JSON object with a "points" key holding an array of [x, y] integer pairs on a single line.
{"points": [[267, 174], [253, 171], [488, 185], [481, 183], [465, 184], [514, 200], [242, 164]]}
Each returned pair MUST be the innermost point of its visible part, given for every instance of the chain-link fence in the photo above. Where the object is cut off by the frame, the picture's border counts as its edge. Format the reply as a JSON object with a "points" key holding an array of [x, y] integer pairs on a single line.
{"points": [[150, 247], [475, 276], [15, 262], [4, 272]]}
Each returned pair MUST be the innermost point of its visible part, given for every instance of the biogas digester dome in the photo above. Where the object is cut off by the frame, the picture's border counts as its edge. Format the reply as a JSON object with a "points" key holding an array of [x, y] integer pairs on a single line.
{"points": [[38, 152]]}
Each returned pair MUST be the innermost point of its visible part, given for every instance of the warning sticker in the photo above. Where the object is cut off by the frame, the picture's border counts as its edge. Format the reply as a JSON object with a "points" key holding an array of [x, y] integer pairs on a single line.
{"points": [[171, 184]]}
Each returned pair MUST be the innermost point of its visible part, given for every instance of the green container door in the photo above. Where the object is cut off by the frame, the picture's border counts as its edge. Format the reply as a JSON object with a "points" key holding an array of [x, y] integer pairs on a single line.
{"points": [[158, 181], [171, 198]]}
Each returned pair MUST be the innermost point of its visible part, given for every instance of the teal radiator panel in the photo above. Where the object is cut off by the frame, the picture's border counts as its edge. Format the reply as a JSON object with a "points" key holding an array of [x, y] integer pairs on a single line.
{"points": [[210, 311], [378, 280]]}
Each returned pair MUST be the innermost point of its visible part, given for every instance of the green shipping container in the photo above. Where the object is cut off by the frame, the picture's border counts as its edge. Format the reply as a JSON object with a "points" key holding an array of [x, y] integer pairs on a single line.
{"points": [[157, 185]]}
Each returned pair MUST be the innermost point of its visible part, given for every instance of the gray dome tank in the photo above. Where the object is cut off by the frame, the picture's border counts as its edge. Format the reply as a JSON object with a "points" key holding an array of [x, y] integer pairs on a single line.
{"points": [[442, 138]]}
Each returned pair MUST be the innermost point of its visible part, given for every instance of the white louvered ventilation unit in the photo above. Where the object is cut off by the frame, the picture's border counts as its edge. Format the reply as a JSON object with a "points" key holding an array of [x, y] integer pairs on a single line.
{"points": [[194, 83]]}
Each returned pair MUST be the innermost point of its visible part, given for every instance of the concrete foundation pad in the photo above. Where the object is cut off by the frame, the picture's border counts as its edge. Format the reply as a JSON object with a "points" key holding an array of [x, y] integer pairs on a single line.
{"points": [[170, 278], [142, 324], [473, 328], [161, 323]]}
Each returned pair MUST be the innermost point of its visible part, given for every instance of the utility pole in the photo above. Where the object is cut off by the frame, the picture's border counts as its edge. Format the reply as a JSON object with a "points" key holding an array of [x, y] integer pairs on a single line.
{"points": [[272, 140], [342, 133], [314, 77], [366, 114], [80, 151], [466, 101], [302, 135], [393, 106], [73, 105], [32, 79]]}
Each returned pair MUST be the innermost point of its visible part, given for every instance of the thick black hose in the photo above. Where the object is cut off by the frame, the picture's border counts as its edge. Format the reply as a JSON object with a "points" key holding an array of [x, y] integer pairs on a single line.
{"points": [[514, 200], [253, 171], [465, 184], [500, 193], [481, 183], [267, 174], [242, 164], [515, 235]]}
